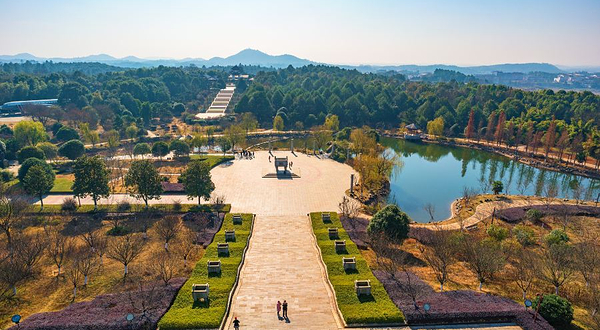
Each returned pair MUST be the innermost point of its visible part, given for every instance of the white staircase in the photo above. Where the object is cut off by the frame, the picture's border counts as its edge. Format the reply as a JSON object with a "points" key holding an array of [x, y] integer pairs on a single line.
{"points": [[221, 101]]}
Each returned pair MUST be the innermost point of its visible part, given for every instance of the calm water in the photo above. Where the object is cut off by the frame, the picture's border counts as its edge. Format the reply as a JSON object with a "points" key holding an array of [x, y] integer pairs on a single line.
{"points": [[437, 174]]}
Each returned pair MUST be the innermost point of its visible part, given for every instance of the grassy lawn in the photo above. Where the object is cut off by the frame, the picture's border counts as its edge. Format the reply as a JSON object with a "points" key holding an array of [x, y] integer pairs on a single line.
{"points": [[187, 314], [55, 209], [376, 309], [62, 185], [212, 160]]}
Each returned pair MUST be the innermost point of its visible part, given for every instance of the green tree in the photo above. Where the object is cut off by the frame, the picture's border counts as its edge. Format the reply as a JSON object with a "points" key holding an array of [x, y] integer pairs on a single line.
{"points": [[50, 150], [142, 149], [497, 187], [160, 149], [436, 127], [248, 122], [28, 163], [89, 136], [29, 132], [555, 309], [72, 149], [67, 133], [235, 135], [143, 181], [197, 181], [30, 152], [332, 123], [278, 123], [180, 148], [38, 181], [113, 138], [91, 179], [131, 131], [389, 221]]}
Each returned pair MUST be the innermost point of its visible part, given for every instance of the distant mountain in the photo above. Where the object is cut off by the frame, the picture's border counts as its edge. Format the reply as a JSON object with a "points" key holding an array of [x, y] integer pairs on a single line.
{"points": [[247, 57], [468, 70]]}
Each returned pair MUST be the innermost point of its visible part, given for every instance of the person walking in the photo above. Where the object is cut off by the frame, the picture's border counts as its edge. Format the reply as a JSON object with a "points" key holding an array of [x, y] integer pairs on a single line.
{"points": [[285, 309], [236, 323], [278, 309]]}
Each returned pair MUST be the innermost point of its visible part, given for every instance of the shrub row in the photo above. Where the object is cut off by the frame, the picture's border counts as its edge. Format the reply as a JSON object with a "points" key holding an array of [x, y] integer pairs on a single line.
{"points": [[376, 309], [175, 207], [187, 314]]}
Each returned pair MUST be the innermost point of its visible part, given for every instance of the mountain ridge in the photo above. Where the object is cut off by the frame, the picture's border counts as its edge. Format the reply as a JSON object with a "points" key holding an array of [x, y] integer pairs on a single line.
{"points": [[256, 57]]}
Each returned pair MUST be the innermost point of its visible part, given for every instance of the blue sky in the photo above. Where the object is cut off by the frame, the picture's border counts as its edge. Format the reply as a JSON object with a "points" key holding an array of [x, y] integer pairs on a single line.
{"points": [[342, 32]]}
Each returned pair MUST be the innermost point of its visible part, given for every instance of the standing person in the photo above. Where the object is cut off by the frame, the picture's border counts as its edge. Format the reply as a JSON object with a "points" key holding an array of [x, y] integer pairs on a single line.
{"points": [[278, 309], [285, 307], [236, 323]]}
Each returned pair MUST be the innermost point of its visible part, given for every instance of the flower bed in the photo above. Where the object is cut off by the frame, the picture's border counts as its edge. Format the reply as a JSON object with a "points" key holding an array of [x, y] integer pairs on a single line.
{"points": [[375, 309], [108, 312], [187, 314]]}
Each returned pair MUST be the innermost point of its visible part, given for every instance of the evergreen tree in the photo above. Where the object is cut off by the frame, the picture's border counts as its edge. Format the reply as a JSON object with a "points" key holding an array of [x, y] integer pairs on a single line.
{"points": [[91, 179]]}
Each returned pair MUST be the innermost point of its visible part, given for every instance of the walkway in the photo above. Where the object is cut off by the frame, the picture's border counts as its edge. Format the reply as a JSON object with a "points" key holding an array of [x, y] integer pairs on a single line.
{"points": [[282, 261]]}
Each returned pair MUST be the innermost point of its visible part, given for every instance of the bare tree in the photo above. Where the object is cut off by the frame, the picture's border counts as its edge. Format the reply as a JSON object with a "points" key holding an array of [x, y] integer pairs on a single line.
{"points": [[439, 255], [468, 194], [90, 237], [587, 258], [86, 262], [393, 261], [186, 246], [218, 202], [59, 246], [12, 209], [550, 193], [430, 209], [524, 263], [349, 208], [125, 250], [29, 250], [168, 228], [74, 274], [164, 266], [482, 257], [100, 247], [146, 302], [556, 265], [12, 273]]}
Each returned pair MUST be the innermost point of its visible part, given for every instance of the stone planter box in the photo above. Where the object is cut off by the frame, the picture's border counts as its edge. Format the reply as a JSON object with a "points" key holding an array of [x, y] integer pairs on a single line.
{"points": [[340, 246], [223, 249], [237, 219], [362, 287], [349, 263], [230, 235], [333, 233], [326, 217], [214, 267], [200, 292]]}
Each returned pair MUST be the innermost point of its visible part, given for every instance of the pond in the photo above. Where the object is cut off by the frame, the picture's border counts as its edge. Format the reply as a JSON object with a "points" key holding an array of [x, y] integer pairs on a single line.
{"points": [[430, 173]]}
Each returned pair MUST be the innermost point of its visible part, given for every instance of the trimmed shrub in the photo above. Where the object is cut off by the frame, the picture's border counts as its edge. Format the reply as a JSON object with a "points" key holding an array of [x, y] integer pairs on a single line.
{"points": [[524, 235], [496, 232], [557, 236], [177, 206], [72, 149], [66, 133], [390, 221], [69, 204], [30, 152], [118, 231], [555, 309], [50, 150]]}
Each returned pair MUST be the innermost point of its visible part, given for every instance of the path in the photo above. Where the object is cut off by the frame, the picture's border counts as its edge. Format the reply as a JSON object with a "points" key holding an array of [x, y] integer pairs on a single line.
{"points": [[282, 261]]}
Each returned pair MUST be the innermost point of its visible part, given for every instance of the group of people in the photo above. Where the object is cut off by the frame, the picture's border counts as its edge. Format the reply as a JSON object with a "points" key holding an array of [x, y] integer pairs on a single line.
{"points": [[244, 154], [281, 307]]}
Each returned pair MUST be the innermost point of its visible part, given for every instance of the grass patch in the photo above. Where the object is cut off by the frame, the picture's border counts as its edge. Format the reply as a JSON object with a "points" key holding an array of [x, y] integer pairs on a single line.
{"points": [[212, 160], [55, 208], [62, 185], [378, 308], [184, 313]]}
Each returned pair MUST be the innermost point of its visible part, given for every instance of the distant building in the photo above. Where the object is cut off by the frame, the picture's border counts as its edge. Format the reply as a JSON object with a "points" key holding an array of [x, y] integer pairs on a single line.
{"points": [[17, 106], [412, 132]]}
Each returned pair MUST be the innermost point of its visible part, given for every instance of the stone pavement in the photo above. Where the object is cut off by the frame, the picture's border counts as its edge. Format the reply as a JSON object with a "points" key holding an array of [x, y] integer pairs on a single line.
{"points": [[282, 261]]}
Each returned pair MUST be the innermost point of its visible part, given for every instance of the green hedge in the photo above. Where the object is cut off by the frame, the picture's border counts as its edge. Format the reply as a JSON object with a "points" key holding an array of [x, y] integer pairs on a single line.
{"points": [[373, 310], [89, 208], [211, 159], [184, 313]]}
